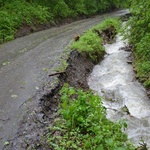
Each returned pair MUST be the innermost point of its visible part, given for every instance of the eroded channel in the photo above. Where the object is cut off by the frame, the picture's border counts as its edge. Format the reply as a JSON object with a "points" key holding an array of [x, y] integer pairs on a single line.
{"points": [[123, 96]]}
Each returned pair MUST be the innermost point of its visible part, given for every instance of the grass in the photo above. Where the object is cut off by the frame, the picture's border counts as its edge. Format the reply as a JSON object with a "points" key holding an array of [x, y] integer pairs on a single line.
{"points": [[83, 124], [137, 31], [90, 43], [142, 60]]}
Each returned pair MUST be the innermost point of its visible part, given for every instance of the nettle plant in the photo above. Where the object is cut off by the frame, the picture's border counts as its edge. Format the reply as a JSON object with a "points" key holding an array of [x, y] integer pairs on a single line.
{"points": [[83, 124]]}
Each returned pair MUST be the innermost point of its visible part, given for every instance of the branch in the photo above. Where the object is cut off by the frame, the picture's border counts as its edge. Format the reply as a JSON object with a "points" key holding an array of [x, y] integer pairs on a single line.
{"points": [[53, 74]]}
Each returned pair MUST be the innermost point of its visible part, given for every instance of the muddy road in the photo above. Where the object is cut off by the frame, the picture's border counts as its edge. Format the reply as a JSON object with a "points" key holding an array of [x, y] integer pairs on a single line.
{"points": [[26, 62]]}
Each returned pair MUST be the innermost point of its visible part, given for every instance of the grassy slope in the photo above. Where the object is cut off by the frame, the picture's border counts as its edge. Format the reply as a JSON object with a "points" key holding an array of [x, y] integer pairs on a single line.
{"points": [[139, 36]]}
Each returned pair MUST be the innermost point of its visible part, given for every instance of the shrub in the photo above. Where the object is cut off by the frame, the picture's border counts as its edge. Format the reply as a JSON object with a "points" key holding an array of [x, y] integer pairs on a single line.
{"points": [[116, 23], [137, 30], [7, 26], [77, 6], [61, 10], [14, 14]]}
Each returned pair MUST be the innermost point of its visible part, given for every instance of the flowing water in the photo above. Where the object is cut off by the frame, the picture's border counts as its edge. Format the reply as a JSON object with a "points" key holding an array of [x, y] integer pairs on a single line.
{"points": [[124, 97]]}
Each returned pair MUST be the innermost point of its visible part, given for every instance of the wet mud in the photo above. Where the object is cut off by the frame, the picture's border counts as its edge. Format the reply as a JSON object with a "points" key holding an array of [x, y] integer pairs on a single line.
{"points": [[40, 116]]}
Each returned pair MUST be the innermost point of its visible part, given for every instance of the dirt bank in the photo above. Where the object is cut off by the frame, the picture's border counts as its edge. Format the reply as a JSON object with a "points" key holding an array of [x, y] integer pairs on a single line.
{"points": [[34, 125]]}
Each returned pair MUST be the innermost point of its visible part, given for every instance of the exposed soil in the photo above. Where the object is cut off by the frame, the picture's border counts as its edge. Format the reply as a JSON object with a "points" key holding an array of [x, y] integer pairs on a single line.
{"points": [[28, 29], [40, 117]]}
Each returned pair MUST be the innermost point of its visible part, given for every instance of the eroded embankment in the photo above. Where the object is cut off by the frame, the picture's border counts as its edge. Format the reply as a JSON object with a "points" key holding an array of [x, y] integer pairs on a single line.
{"points": [[35, 122], [34, 126]]}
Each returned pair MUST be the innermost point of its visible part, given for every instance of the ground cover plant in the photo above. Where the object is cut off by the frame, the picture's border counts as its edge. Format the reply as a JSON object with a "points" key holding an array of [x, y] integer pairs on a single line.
{"points": [[21, 13], [137, 31], [91, 42], [83, 124]]}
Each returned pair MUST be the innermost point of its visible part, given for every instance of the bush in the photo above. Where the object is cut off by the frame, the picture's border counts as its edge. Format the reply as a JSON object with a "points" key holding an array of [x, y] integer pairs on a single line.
{"points": [[61, 10], [137, 30], [139, 22], [84, 124], [7, 26], [90, 44], [107, 23], [77, 6], [143, 48]]}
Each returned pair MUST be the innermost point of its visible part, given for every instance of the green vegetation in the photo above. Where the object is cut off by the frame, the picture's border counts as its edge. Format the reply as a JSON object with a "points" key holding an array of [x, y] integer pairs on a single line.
{"points": [[91, 42], [17, 13], [13, 15], [84, 125], [139, 35]]}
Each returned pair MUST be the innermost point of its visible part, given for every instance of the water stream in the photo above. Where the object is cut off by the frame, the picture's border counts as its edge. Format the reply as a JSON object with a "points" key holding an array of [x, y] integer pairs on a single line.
{"points": [[124, 97]]}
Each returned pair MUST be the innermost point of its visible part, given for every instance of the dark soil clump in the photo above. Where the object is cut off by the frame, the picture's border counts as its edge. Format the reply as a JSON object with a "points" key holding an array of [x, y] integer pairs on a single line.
{"points": [[78, 70]]}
